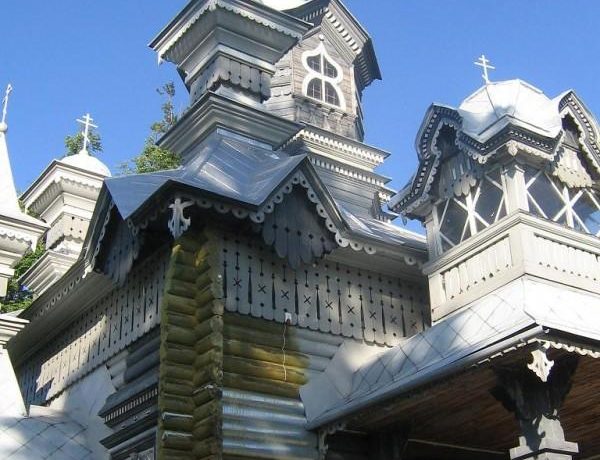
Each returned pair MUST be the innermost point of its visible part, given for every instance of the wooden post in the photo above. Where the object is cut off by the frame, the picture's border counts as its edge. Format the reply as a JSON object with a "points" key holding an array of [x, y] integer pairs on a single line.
{"points": [[534, 393]]}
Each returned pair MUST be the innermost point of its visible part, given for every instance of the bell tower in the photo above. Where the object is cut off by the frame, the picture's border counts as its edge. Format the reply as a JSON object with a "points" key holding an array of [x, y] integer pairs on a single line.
{"points": [[320, 82], [508, 189]]}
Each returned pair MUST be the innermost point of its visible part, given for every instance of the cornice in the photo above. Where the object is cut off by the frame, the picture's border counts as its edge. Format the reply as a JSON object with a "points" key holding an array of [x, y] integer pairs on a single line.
{"points": [[193, 12], [43, 197], [21, 230], [367, 157], [58, 171], [341, 168]]}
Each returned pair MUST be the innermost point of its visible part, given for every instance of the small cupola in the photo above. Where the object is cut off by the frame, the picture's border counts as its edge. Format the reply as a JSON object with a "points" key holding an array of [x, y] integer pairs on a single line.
{"points": [[509, 161], [64, 196]]}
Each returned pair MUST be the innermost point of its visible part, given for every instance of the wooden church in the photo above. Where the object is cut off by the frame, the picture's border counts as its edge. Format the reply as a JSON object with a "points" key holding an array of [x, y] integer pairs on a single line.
{"points": [[259, 303]]}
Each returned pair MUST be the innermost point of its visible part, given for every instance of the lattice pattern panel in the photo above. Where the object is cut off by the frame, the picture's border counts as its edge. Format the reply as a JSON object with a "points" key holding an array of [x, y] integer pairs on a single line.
{"points": [[117, 320], [324, 296]]}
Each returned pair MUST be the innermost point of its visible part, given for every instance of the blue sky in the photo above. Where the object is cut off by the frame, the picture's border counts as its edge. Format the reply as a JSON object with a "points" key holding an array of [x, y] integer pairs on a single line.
{"points": [[66, 57]]}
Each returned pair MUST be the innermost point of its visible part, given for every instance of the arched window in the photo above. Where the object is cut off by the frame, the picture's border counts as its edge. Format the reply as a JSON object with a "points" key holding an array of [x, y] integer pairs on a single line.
{"points": [[315, 89], [323, 78], [331, 95]]}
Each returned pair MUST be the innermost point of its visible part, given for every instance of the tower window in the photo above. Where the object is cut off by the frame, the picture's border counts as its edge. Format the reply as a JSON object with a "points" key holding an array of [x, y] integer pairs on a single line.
{"points": [[323, 78], [314, 62], [329, 69], [315, 89], [551, 199], [331, 95], [459, 217]]}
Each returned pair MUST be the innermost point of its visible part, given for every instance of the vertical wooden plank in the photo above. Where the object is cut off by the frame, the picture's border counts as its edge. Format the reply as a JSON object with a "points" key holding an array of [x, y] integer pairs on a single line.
{"points": [[284, 291], [264, 287], [328, 316]]}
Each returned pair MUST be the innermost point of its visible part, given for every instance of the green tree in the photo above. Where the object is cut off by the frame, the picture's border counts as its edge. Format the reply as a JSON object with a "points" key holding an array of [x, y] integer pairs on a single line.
{"points": [[74, 143], [18, 297], [155, 158]]}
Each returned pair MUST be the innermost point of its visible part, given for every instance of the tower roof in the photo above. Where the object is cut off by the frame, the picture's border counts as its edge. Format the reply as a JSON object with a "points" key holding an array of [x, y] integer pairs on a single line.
{"points": [[497, 104]]}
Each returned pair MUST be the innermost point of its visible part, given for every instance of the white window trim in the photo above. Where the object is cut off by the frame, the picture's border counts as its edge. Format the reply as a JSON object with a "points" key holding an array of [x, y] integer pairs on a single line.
{"points": [[312, 74]]}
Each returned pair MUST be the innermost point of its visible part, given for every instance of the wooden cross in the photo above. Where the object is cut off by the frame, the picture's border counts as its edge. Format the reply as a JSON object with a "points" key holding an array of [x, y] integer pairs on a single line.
{"points": [[484, 63], [9, 89], [87, 124]]}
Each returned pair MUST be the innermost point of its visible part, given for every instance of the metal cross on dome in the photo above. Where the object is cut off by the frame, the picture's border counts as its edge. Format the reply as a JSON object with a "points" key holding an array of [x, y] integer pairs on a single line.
{"points": [[87, 124], [484, 63]]}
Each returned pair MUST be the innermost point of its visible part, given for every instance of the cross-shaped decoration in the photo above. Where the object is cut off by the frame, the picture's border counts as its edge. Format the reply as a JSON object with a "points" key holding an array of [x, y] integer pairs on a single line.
{"points": [[9, 89], [484, 63], [87, 124]]}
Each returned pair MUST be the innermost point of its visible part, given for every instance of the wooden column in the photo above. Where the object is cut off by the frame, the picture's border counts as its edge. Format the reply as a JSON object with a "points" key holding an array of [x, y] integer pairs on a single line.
{"points": [[535, 393]]}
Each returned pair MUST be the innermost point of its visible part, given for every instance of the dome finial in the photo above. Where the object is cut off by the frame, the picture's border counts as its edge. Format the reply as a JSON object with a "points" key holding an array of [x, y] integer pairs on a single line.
{"points": [[86, 121], [3, 125], [484, 63]]}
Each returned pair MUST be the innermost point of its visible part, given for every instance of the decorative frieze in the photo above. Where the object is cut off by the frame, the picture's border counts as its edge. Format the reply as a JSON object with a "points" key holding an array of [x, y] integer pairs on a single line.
{"points": [[567, 258], [325, 296], [117, 320], [469, 273]]}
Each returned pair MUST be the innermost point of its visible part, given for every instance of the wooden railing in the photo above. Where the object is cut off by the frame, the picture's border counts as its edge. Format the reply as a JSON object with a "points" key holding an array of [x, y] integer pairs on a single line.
{"points": [[518, 245]]}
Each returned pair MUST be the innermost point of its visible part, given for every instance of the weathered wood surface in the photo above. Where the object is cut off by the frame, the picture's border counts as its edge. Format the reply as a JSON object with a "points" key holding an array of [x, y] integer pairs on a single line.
{"points": [[324, 296], [191, 351], [117, 320]]}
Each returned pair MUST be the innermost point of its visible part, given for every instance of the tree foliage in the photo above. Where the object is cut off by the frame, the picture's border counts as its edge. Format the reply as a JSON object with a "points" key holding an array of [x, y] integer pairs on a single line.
{"points": [[19, 297], [154, 158], [74, 143]]}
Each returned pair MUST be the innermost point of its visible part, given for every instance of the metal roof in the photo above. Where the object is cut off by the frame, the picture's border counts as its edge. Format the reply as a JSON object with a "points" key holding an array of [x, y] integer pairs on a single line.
{"points": [[495, 322], [225, 164]]}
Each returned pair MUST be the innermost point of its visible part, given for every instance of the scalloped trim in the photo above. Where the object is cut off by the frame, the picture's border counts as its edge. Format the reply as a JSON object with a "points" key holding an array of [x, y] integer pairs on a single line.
{"points": [[17, 236], [587, 139]]}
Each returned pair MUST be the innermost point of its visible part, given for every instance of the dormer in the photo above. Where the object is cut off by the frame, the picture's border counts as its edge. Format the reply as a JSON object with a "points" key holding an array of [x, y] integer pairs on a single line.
{"points": [[507, 186], [321, 80]]}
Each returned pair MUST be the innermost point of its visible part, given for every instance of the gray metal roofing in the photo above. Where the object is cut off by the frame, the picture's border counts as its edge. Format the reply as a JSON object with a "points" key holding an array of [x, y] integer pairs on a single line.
{"points": [[486, 326], [224, 165], [237, 169], [378, 230], [44, 434]]}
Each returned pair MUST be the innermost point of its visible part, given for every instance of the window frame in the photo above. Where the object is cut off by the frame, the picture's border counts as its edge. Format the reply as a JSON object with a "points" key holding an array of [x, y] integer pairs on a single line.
{"points": [[334, 82]]}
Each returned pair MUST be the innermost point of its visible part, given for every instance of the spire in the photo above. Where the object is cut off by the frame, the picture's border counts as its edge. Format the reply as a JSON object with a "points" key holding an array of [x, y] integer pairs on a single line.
{"points": [[9, 203]]}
